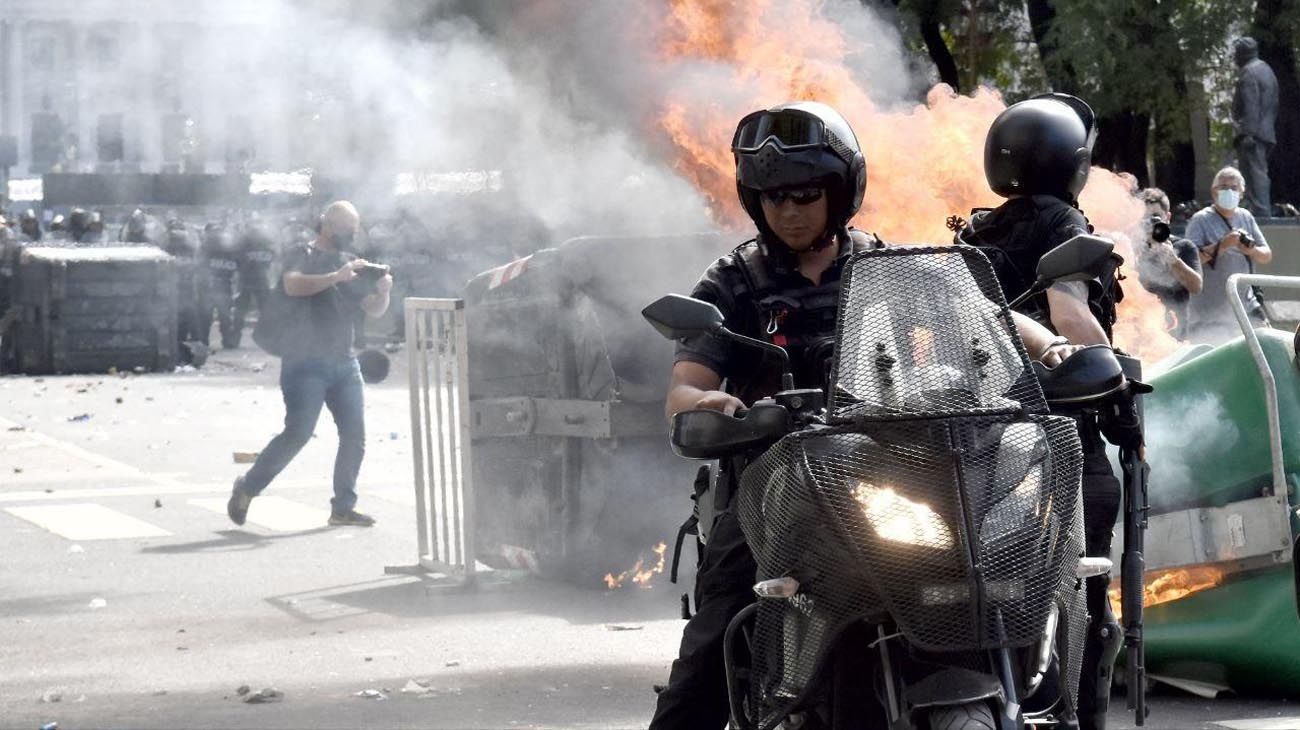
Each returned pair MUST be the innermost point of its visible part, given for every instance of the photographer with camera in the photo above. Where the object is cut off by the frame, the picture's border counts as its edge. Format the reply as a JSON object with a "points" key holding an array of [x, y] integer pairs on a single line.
{"points": [[1229, 242], [324, 288], [1167, 266]]}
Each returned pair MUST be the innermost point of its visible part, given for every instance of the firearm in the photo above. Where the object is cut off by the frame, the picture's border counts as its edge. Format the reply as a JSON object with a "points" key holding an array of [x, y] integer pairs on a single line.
{"points": [[1124, 414]]}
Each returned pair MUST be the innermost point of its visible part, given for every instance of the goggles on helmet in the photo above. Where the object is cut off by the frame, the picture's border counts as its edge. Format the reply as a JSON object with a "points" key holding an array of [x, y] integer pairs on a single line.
{"points": [[790, 129]]}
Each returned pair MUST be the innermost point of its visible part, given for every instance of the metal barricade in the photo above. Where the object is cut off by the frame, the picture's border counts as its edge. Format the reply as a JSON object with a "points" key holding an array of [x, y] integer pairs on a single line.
{"points": [[440, 439]]}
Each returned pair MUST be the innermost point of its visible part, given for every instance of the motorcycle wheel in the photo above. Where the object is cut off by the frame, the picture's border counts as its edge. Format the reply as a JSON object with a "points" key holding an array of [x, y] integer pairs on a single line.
{"points": [[970, 716]]}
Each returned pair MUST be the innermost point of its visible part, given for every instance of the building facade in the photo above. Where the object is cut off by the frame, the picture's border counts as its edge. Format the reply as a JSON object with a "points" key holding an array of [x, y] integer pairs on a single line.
{"points": [[151, 85]]}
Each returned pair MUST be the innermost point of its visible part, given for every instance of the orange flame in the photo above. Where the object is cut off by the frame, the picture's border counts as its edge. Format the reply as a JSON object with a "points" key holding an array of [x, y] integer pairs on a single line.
{"points": [[640, 575], [925, 162], [1171, 585]]}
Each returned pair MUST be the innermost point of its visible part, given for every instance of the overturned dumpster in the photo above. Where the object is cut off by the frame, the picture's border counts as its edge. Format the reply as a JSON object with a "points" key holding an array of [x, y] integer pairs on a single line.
{"points": [[571, 468], [85, 310], [1221, 580]]}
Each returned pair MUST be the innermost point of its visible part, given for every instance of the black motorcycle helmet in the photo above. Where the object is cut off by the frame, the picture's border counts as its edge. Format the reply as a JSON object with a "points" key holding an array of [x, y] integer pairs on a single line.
{"points": [[1042, 146], [798, 144]]}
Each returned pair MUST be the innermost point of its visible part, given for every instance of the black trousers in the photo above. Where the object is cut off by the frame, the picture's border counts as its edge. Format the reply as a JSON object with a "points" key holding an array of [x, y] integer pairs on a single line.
{"points": [[218, 295], [1252, 157], [696, 695], [1101, 501]]}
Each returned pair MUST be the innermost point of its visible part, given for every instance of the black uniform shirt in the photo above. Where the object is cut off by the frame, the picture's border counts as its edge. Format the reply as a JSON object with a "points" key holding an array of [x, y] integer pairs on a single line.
{"points": [[331, 313], [749, 373]]}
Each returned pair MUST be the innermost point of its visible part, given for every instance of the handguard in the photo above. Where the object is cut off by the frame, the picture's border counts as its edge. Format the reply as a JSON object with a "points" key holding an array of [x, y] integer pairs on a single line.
{"points": [[708, 434]]}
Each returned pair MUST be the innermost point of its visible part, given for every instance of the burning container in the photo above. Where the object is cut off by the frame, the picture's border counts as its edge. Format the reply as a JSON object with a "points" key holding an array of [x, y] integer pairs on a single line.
{"points": [[85, 310], [1220, 549], [572, 470]]}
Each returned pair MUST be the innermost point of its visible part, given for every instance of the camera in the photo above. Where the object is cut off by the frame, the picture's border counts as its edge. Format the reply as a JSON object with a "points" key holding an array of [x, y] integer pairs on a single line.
{"points": [[1246, 240], [370, 273], [1159, 229]]}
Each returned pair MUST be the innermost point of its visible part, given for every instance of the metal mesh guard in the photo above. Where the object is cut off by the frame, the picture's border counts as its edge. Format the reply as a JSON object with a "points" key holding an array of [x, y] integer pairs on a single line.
{"points": [[924, 332], [875, 518]]}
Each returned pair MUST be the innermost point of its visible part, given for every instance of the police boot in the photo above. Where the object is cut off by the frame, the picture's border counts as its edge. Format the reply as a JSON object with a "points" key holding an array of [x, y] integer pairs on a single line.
{"points": [[1100, 648]]}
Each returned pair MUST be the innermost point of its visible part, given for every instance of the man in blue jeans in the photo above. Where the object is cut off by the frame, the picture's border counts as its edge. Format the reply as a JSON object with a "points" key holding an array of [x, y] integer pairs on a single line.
{"points": [[320, 369]]}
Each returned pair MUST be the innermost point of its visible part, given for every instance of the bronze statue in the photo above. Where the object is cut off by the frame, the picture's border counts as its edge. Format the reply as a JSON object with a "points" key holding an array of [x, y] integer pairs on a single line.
{"points": [[1254, 111]]}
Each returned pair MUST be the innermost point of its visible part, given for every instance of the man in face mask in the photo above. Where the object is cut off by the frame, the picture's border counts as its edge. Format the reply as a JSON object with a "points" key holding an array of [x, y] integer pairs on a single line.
{"points": [[1230, 242]]}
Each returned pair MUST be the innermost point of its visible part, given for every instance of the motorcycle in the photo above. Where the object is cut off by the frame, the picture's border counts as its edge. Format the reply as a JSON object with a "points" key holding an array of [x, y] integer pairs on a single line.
{"points": [[918, 523]]}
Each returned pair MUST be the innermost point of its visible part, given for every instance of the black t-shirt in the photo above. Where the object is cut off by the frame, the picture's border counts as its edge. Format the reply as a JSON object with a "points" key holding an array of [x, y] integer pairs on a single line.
{"points": [[331, 313]]}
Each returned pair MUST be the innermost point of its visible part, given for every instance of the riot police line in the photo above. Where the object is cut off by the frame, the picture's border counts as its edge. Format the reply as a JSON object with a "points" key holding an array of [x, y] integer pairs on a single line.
{"points": [[225, 262]]}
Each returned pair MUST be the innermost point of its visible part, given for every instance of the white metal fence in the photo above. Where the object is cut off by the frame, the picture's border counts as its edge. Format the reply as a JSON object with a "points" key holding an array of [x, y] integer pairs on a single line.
{"points": [[440, 438]]}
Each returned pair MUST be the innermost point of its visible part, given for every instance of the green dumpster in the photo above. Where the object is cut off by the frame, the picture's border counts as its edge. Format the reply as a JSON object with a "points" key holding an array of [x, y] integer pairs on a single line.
{"points": [[1212, 504]]}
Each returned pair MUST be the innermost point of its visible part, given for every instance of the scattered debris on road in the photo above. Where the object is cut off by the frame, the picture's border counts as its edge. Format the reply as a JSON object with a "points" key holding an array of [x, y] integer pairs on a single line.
{"points": [[623, 627], [159, 692], [76, 550], [264, 695], [417, 687], [98, 603], [371, 694], [79, 418], [157, 503], [452, 663], [50, 696], [244, 457], [243, 690]]}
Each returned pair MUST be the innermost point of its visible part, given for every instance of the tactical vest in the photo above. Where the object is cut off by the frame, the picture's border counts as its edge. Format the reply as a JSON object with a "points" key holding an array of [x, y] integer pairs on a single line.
{"points": [[801, 320], [1011, 243]]}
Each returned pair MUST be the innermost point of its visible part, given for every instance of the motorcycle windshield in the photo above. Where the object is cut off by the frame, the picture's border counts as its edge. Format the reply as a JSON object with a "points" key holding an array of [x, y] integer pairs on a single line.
{"points": [[924, 332]]}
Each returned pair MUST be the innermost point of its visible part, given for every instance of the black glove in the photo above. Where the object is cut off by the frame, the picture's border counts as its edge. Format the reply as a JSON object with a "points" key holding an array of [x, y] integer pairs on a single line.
{"points": [[1120, 420]]}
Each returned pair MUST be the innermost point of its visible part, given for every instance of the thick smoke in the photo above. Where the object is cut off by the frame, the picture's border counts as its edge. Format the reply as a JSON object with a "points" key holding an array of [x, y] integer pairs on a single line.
{"points": [[1194, 423]]}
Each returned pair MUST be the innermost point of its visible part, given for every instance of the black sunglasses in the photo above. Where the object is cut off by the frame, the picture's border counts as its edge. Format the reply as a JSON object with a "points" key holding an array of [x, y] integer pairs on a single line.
{"points": [[798, 196]]}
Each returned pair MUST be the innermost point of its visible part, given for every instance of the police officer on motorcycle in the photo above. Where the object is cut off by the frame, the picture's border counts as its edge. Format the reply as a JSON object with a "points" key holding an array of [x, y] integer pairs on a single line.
{"points": [[801, 177], [1037, 155]]}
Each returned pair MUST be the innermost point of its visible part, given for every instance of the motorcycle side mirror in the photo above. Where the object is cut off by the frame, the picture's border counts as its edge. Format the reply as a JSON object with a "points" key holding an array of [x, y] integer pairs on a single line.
{"points": [[676, 317], [1081, 258]]}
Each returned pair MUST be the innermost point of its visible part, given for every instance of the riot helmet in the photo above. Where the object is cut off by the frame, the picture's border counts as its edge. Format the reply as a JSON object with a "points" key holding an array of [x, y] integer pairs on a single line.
{"points": [[78, 224], [1042, 146], [217, 240], [136, 229], [29, 224], [798, 144]]}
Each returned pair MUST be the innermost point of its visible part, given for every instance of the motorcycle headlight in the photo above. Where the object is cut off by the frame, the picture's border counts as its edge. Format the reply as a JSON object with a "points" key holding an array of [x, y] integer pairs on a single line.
{"points": [[899, 519]]}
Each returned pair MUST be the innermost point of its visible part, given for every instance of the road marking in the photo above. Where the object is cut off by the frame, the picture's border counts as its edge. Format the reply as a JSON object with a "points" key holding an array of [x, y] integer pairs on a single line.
{"points": [[68, 448], [86, 521], [274, 513], [162, 489], [1264, 723]]}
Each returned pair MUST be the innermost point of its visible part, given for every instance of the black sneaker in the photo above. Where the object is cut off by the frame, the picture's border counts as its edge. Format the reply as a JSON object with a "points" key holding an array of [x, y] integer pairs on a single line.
{"points": [[237, 507], [353, 518]]}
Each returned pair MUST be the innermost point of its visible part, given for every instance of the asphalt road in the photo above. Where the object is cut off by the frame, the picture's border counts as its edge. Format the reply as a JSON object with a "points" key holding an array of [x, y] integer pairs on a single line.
{"points": [[127, 596]]}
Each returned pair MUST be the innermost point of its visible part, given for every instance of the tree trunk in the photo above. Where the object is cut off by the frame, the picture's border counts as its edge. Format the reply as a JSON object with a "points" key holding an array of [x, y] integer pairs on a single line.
{"points": [[1060, 74], [1122, 143], [937, 47], [1275, 30]]}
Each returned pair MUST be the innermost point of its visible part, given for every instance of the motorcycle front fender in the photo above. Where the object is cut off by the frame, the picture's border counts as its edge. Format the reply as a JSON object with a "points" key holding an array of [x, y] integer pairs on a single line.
{"points": [[953, 686]]}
